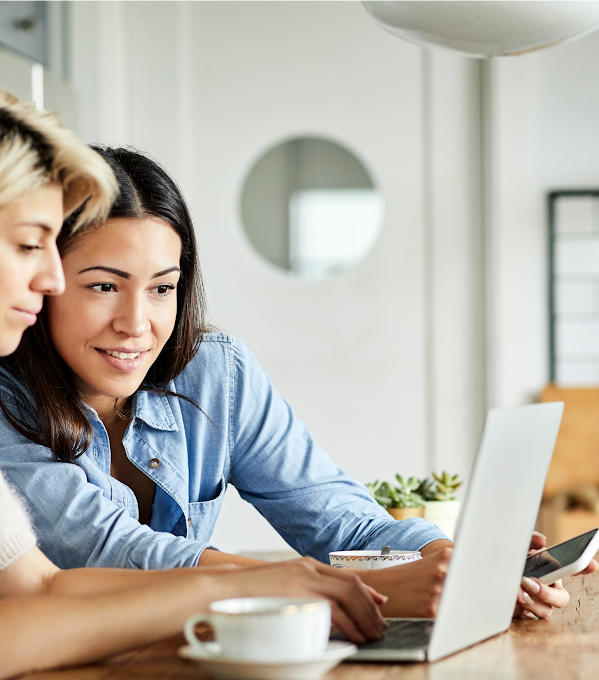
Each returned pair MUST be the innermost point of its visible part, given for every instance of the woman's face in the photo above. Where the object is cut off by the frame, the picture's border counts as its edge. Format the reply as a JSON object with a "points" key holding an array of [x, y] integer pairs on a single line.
{"points": [[119, 307], [30, 265]]}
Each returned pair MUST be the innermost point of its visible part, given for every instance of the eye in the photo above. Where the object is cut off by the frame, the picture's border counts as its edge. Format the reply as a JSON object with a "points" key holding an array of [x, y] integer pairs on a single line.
{"points": [[163, 289], [103, 287], [29, 248]]}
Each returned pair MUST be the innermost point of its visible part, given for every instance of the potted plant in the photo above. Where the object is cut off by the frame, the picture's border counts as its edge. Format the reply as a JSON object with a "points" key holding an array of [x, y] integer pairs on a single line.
{"points": [[400, 501], [440, 504]]}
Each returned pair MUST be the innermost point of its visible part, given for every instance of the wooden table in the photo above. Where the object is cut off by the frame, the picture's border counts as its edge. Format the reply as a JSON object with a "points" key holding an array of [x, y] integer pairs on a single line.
{"points": [[564, 648]]}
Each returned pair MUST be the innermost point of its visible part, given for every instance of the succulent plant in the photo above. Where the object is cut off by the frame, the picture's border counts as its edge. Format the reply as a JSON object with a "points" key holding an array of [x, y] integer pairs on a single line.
{"points": [[381, 492], [426, 489], [440, 488], [407, 498], [446, 486], [407, 485], [411, 491], [389, 496]]}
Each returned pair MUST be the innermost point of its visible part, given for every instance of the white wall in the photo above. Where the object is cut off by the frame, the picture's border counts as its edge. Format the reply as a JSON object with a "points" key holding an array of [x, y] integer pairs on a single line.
{"points": [[384, 362], [515, 244], [542, 134], [454, 261], [568, 116]]}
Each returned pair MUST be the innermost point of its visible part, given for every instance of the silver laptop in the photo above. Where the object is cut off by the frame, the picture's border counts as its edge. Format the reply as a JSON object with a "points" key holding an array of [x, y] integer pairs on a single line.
{"points": [[492, 540]]}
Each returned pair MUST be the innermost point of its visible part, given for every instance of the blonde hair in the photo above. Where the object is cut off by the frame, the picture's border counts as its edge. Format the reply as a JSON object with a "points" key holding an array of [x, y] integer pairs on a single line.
{"points": [[36, 150]]}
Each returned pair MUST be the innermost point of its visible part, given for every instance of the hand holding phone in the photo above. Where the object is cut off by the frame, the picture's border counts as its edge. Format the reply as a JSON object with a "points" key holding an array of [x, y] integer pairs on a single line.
{"points": [[563, 559]]}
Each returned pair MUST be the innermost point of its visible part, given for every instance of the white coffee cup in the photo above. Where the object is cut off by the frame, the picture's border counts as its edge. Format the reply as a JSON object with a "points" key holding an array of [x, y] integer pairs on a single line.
{"points": [[266, 629], [372, 559]]}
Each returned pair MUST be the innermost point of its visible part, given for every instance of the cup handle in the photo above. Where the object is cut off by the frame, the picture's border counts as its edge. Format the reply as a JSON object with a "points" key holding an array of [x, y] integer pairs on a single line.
{"points": [[189, 630]]}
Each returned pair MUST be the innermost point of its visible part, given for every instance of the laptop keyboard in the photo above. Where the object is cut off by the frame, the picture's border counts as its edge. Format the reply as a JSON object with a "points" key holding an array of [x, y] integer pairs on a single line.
{"points": [[402, 634]]}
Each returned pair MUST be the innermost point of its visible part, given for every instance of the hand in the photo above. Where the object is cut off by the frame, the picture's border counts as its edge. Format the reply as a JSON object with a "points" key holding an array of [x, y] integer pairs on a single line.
{"points": [[539, 542], [593, 566], [538, 598], [414, 589], [354, 605]]}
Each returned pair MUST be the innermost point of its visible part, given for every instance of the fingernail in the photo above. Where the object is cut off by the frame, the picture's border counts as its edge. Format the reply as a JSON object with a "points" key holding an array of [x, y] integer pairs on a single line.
{"points": [[537, 533], [529, 584], [526, 598]]}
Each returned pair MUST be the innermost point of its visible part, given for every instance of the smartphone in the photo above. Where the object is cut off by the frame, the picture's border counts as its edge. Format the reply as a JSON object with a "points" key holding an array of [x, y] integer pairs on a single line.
{"points": [[563, 559]]}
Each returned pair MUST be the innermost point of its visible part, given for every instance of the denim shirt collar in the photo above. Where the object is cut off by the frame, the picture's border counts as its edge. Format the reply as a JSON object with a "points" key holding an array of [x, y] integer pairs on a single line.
{"points": [[154, 410]]}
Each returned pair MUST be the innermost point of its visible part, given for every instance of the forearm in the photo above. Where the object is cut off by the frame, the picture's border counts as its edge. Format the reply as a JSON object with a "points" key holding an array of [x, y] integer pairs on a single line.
{"points": [[435, 546], [101, 580], [97, 581], [212, 558], [43, 632], [33, 574]]}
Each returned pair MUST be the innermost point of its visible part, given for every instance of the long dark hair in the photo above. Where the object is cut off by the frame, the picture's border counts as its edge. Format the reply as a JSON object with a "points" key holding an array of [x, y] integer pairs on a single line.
{"points": [[58, 417]]}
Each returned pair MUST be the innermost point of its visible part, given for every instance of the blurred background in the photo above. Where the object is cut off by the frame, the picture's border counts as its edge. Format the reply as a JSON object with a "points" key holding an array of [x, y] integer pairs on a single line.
{"points": [[450, 295]]}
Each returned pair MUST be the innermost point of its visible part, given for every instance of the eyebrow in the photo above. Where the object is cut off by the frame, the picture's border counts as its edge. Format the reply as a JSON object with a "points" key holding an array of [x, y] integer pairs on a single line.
{"points": [[39, 225], [125, 275], [164, 272]]}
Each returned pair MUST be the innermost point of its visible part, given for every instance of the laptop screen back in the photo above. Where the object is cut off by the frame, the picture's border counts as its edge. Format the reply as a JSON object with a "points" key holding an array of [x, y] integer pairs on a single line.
{"points": [[495, 526]]}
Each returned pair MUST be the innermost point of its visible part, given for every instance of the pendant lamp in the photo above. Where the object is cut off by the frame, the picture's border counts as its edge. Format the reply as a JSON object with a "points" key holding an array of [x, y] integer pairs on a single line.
{"points": [[487, 29]]}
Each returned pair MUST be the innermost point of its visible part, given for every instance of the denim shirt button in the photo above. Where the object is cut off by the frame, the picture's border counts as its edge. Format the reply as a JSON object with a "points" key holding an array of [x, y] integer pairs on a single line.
{"points": [[154, 463], [189, 521]]}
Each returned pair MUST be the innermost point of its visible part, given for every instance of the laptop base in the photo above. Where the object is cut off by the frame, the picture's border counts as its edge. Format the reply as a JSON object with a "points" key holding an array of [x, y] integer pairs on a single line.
{"points": [[405, 640]]}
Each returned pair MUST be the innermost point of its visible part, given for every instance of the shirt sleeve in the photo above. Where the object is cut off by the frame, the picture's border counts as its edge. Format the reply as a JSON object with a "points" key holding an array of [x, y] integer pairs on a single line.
{"points": [[292, 482], [16, 534], [76, 525]]}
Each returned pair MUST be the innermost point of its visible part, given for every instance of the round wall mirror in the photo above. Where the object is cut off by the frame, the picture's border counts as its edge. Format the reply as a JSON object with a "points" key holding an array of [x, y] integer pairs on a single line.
{"points": [[309, 206]]}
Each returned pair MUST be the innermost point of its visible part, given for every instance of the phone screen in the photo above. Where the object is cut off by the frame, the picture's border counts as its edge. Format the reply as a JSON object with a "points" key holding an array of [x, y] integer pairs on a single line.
{"points": [[559, 556]]}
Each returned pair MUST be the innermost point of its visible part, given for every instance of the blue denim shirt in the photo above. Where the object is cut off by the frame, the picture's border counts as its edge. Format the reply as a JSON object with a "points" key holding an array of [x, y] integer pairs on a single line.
{"points": [[247, 436]]}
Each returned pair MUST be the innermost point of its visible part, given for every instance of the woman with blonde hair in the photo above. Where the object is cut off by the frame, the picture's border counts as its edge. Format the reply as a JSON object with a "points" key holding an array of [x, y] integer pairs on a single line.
{"points": [[47, 173]]}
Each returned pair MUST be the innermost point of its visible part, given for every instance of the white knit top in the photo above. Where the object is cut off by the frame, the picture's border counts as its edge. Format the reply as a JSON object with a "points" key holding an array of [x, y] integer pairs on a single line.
{"points": [[16, 534]]}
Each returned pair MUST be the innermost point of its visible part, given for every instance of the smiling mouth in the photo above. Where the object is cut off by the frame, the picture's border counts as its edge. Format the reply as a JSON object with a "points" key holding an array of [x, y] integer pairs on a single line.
{"points": [[125, 362], [121, 355]]}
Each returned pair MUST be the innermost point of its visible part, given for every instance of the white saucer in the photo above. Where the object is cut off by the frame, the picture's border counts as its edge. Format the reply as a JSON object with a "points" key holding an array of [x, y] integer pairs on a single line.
{"points": [[235, 669]]}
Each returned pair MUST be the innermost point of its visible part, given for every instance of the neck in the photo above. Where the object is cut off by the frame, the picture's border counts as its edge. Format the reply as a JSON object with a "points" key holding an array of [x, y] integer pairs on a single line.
{"points": [[111, 410]]}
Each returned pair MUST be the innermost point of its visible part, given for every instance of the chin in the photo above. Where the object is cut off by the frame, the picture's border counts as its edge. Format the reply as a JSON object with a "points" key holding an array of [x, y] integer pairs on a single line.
{"points": [[9, 343], [120, 391]]}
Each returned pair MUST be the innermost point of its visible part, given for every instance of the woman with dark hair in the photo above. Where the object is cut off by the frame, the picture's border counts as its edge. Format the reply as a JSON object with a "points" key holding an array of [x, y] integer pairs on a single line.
{"points": [[125, 420], [146, 193]]}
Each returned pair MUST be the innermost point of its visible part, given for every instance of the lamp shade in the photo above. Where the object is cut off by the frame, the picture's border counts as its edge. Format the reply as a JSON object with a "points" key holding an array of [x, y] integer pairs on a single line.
{"points": [[487, 29]]}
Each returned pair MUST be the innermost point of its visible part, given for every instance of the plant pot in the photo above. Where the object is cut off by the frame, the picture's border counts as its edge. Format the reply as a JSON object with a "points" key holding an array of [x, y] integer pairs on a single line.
{"points": [[444, 514], [404, 513]]}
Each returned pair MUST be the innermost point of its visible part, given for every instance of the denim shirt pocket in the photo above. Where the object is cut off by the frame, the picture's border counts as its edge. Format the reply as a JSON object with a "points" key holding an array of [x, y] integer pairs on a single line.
{"points": [[202, 515]]}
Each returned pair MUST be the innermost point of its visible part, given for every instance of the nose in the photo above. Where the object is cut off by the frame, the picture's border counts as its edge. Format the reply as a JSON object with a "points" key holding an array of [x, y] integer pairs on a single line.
{"points": [[49, 279], [132, 317]]}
